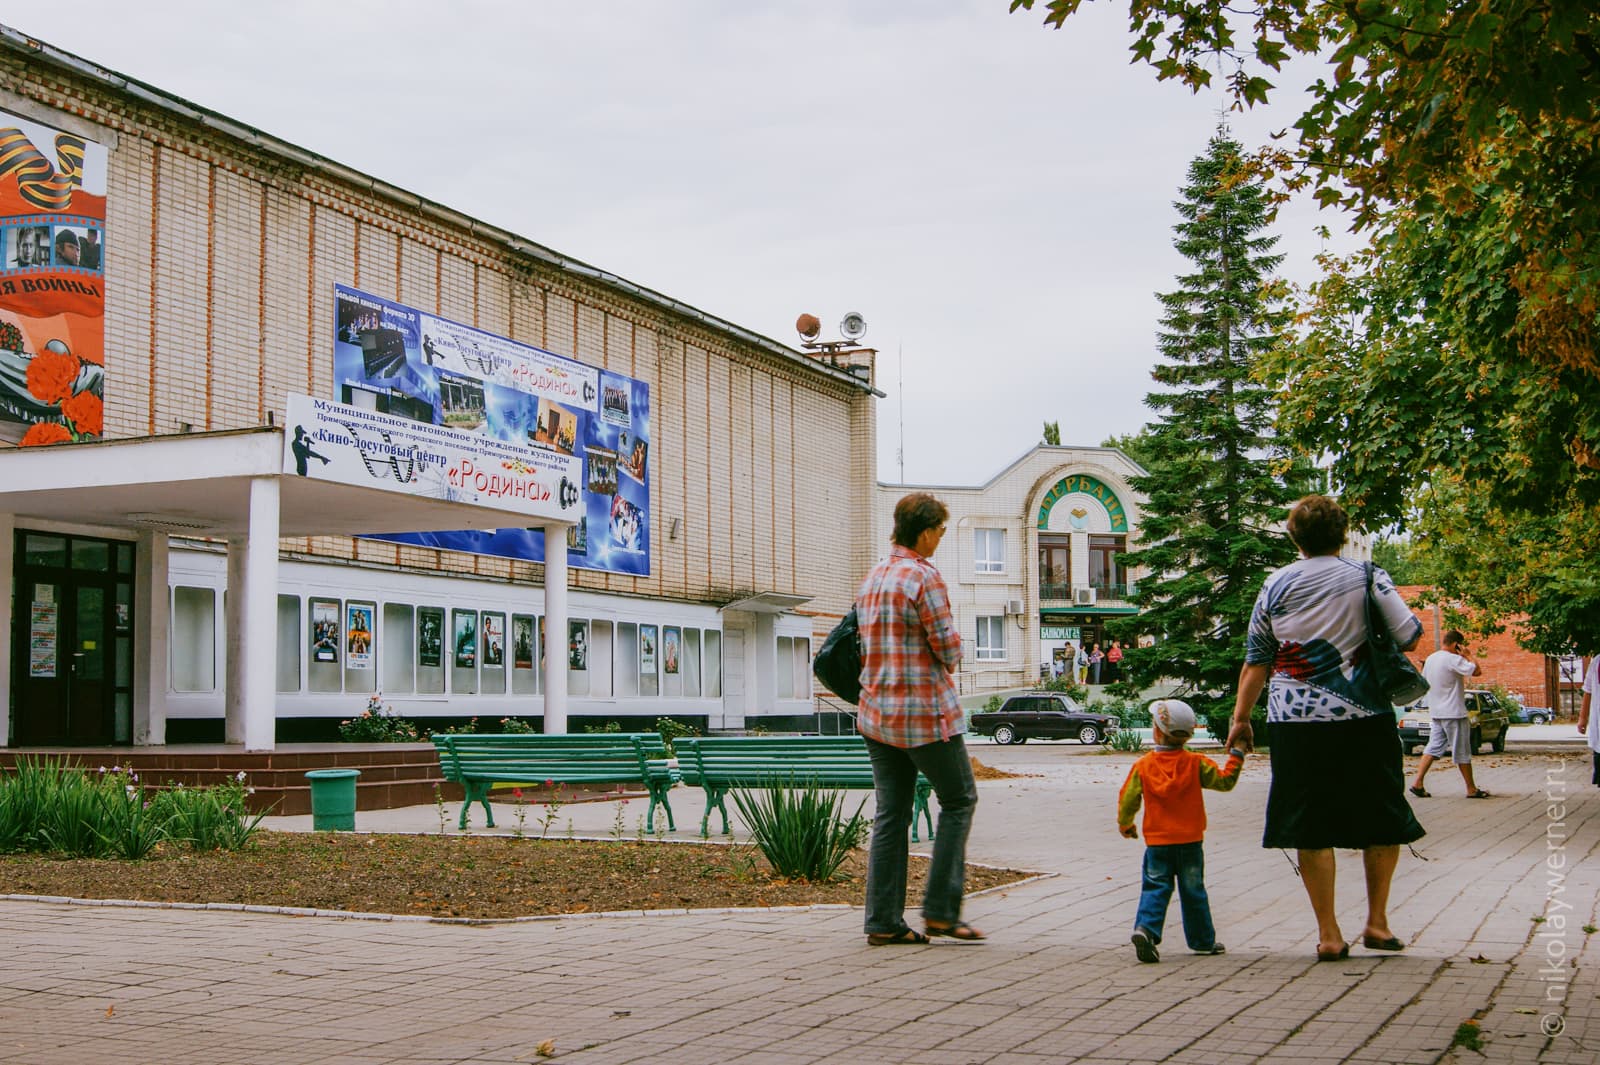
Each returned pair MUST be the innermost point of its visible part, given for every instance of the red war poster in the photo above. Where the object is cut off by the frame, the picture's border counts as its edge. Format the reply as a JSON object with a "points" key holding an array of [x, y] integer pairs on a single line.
{"points": [[52, 284]]}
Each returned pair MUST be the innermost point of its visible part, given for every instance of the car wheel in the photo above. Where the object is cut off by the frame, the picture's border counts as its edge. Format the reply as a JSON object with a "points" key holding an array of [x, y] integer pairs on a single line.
{"points": [[1088, 734], [1538, 719], [1005, 734], [1499, 744]]}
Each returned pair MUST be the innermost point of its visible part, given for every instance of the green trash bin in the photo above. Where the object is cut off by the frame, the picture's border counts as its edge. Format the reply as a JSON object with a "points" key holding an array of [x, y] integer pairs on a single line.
{"points": [[333, 799]]}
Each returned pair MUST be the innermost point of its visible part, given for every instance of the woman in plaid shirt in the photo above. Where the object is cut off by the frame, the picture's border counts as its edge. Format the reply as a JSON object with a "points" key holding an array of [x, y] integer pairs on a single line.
{"points": [[912, 721]]}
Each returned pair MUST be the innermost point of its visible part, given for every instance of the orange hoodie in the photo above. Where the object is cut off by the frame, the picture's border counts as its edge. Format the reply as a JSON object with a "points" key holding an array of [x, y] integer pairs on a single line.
{"points": [[1172, 779]]}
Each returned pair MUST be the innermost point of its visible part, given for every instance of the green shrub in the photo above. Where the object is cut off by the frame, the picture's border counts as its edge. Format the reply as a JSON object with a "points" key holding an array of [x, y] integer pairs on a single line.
{"points": [[516, 726], [1065, 686], [378, 724], [673, 730], [799, 829], [993, 704], [604, 726], [74, 816], [1220, 720]]}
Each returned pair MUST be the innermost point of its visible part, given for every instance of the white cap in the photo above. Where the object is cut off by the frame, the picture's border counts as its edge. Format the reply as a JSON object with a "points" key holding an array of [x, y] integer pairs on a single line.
{"points": [[1172, 715]]}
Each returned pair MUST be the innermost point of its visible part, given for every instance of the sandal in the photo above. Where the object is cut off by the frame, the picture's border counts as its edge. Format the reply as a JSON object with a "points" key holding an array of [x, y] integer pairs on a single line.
{"points": [[1334, 955], [1421, 793], [1374, 943], [906, 936], [961, 932], [1480, 794]]}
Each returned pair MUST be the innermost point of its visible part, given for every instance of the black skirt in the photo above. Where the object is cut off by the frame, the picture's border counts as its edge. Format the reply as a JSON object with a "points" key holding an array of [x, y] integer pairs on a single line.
{"points": [[1338, 784]]}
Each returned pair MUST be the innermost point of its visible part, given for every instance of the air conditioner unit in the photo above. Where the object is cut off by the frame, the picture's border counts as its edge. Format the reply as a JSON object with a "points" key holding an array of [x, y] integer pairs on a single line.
{"points": [[1013, 607], [1083, 597]]}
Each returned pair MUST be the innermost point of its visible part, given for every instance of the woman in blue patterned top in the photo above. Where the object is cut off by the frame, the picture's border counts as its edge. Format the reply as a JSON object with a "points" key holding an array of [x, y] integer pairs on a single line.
{"points": [[1337, 773]]}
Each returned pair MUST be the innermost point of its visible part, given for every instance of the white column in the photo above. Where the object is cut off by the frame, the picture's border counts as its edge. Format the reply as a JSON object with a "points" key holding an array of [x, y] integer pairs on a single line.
{"points": [[152, 619], [763, 651], [555, 630], [8, 568], [252, 623]]}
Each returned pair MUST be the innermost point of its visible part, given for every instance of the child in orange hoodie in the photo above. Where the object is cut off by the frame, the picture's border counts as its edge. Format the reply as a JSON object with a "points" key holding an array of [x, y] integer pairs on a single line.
{"points": [[1170, 778]]}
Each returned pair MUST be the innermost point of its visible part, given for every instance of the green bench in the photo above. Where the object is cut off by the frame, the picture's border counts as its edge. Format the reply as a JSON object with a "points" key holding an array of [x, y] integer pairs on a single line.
{"points": [[479, 761], [717, 764]]}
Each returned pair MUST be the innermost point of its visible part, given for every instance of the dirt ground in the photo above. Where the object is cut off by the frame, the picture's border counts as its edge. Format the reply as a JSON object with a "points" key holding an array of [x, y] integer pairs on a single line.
{"points": [[454, 876]]}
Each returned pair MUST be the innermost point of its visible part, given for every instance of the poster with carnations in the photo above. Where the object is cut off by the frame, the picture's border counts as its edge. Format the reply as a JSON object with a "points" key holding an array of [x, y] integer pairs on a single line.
{"points": [[52, 284]]}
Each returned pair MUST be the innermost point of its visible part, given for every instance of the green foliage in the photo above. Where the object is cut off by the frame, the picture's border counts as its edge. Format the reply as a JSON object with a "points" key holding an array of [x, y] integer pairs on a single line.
{"points": [[799, 827], [1052, 433], [1460, 352], [993, 704], [1065, 686], [1218, 478], [604, 726], [1467, 1036], [671, 730], [1134, 445], [47, 807], [378, 724], [1127, 740], [1219, 721], [516, 726]]}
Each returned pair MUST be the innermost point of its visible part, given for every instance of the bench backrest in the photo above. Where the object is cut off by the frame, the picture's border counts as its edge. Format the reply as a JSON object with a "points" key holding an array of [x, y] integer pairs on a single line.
{"points": [[759, 759], [609, 756]]}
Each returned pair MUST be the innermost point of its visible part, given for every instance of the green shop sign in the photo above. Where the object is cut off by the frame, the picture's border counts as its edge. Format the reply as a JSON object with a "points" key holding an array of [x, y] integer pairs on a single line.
{"points": [[1090, 486]]}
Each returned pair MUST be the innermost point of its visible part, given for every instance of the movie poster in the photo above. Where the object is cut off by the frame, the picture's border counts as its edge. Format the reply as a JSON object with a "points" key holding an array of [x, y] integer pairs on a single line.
{"points": [[670, 638], [324, 630], [397, 360], [358, 637], [466, 639], [494, 640], [430, 636], [521, 641], [577, 645], [647, 649], [52, 284]]}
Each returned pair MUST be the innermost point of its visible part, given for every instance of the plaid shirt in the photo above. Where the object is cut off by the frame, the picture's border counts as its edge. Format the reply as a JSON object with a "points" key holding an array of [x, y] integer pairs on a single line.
{"points": [[909, 649]]}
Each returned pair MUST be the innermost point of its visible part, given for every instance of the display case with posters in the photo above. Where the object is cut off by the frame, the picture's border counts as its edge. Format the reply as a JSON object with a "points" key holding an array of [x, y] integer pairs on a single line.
{"points": [[464, 651], [492, 677]]}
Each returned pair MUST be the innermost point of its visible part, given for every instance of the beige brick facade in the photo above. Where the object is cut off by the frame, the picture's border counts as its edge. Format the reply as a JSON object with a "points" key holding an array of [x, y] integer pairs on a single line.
{"points": [[223, 248]]}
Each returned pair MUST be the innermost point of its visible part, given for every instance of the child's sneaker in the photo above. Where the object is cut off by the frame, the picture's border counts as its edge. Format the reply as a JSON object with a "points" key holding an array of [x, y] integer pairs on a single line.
{"points": [[1145, 947], [1215, 948]]}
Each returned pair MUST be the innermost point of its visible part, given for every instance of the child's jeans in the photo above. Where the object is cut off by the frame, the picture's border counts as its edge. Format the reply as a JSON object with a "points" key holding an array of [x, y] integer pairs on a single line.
{"points": [[1184, 863]]}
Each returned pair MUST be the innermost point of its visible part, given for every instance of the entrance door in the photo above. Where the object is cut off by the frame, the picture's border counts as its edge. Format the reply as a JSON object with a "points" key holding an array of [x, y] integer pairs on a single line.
{"points": [[72, 648]]}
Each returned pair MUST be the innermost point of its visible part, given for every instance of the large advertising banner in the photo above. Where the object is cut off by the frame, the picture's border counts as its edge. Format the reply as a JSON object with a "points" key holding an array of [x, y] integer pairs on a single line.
{"points": [[351, 445], [52, 284], [397, 360]]}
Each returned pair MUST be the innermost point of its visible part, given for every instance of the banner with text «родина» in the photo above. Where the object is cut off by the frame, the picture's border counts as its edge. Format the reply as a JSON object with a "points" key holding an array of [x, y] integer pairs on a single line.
{"points": [[399, 360], [52, 284], [362, 448]]}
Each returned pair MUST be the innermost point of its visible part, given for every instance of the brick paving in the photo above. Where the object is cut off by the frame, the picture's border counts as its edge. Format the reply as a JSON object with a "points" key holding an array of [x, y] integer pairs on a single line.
{"points": [[1057, 983]]}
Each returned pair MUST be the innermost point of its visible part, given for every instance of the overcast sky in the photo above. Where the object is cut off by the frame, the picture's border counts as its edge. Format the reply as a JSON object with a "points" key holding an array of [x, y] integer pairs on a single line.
{"points": [[994, 196]]}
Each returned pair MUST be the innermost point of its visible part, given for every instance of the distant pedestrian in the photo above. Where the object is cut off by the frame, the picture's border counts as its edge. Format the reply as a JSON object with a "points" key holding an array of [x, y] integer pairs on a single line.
{"points": [[1080, 664], [912, 721], [1114, 662], [1169, 781], [1446, 671], [1588, 718], [1097, 659]]}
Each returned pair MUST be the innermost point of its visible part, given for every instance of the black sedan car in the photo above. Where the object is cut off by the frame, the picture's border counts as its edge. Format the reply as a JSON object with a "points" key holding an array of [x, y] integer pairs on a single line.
{"points": [[1044, 716]]}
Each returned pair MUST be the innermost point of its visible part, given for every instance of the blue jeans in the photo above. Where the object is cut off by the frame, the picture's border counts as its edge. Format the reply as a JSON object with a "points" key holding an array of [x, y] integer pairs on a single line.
{"points": [[1184, 863], [894, 778]]}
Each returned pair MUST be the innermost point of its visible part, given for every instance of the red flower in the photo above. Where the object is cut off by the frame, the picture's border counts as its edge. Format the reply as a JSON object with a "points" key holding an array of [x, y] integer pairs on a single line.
{"points": [[50, 376], [86, 413], [45, 433], [549, 783], [516, 793]]}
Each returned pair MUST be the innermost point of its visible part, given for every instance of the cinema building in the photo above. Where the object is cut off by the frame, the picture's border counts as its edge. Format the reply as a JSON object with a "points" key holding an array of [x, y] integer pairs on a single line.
{"points": [[278, 438]]}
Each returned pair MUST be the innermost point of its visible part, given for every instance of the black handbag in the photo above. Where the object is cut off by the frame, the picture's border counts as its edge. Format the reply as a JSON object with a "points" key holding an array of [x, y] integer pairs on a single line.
{"points": [[838, 661], [1396, 675]]}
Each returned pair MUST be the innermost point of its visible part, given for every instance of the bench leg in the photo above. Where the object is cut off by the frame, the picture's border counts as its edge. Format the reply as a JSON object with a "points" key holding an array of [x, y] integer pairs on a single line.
{"points": [[658, 797], [920, 811], [723, 806], [476, 794]]}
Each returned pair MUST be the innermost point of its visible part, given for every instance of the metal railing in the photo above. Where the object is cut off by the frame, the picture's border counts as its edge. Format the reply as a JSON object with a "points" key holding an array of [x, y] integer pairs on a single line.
{"points": [[1063, 592]]}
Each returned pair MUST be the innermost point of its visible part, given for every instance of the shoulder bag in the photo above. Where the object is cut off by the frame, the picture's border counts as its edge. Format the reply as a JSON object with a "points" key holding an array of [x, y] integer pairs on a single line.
{"points": [[838, 661], [1396, 675]]}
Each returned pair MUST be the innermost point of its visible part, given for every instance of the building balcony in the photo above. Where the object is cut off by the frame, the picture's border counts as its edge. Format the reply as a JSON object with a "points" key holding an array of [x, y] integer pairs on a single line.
{"points": [[1060, 595]]}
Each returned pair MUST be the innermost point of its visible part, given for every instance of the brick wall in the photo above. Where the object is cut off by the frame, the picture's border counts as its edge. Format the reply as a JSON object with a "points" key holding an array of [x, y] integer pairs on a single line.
{"points": [[222, 256], [1503, 661]]}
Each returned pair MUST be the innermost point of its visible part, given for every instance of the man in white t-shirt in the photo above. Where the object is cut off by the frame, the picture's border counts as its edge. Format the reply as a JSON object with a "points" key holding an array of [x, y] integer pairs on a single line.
{"points": [[1446, 672], [1589, 723]]}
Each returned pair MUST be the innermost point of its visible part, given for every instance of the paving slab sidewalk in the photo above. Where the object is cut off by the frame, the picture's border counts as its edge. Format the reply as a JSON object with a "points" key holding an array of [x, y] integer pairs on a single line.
{"points": [[1057, 983]]}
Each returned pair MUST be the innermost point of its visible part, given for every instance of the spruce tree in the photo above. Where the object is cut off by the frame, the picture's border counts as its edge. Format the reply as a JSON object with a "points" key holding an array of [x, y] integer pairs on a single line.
{"points": [[1218, 483]]}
